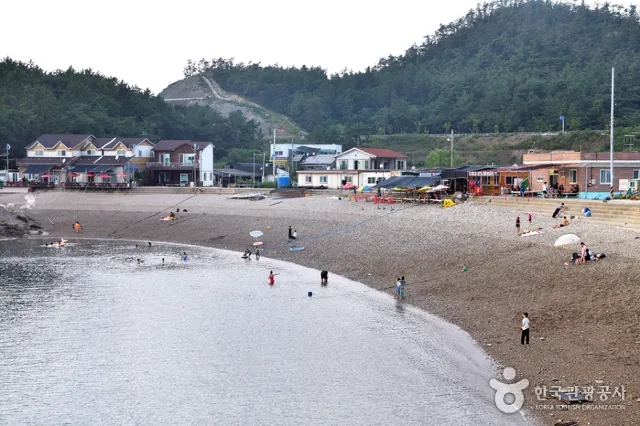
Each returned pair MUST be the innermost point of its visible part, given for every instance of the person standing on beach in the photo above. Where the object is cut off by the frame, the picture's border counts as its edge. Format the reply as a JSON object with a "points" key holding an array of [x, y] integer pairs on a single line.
{"points": [[525, 328], [397, 293], [558, 209], [290, 232], [77, 227], [518, 225], [402, 284], [545, 190], [257, 253], [530, 217], [324, 277]]}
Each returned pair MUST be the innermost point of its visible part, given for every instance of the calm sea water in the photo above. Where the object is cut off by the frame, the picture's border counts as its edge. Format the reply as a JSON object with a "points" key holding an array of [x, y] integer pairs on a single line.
{"points": [[89, 336]]}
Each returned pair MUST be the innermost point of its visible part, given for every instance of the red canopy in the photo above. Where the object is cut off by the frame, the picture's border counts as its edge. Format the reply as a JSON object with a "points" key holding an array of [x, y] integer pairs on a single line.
{"points": [[105, 176], [90, 174], [121, 174], [74, 174], [46, 175]]}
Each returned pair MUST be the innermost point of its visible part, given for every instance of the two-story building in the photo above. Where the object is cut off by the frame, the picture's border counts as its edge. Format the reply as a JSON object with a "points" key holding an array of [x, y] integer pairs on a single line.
{"points": [[82, 158], [358, 166], [176, 161]]}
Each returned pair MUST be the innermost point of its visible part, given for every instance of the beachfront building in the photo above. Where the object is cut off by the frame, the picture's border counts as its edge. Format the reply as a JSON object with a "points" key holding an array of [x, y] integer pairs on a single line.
{"points": [[371, 159], [585, 174], [357, 166], [53, 159], [288, 150], [317, 162], [175, 162]]}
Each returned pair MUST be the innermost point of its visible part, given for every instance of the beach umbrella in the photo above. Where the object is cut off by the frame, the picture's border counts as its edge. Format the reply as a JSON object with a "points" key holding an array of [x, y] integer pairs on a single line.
{"points": [[566, 240], [74, 174], [256, 234], [105, 176], [349, 186], [424, 188], [90, 174]]}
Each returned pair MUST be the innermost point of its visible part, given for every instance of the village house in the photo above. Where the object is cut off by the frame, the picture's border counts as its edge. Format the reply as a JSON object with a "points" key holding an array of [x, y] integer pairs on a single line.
{"points": [[357, 166], [175, 162]]}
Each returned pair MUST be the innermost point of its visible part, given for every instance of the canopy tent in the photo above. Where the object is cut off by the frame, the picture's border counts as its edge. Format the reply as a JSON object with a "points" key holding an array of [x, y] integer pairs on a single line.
{"points": [[408, 182], [38, 169]]}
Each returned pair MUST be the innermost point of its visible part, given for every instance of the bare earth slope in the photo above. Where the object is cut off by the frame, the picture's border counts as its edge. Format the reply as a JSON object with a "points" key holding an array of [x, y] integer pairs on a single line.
{"points": [[584, 319], [203, 90]]}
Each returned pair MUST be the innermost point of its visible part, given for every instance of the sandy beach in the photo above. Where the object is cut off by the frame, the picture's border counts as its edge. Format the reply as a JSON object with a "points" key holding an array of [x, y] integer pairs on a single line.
{"points": [[584, 319]]}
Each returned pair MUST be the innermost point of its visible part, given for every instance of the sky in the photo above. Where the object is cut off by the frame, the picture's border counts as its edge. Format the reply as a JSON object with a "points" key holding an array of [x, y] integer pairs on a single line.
{"points": [[147, 43]]}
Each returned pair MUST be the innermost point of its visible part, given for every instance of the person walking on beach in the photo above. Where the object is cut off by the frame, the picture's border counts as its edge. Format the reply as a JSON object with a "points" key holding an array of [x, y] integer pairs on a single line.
{"points": [[530, 217], [558, 209], [290, 232], [518, 225], [402, 284], [272, 279], [397, 293], [257, 253], [545, 190], [324, 277], [525, 329]]}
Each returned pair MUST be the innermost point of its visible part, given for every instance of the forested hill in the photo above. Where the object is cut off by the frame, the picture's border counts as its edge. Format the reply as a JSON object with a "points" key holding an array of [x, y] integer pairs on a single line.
{"points": [[34, 102], [505, 66]]}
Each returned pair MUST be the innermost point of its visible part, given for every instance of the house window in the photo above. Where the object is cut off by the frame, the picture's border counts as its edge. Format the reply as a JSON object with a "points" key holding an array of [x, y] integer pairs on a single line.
{"points": [[605, 177], [573, 176], [540, 179], [307, 179], [323, 179], [343, 164], [121, 152], [371, 180], [188, 159], [348, 179], [139, 153], [62, 153], [39, 152], [91, 152], [279, 153], [185, 178], [400, 164], [636, 174], [165, 159], [486, 180], [509, 180]]}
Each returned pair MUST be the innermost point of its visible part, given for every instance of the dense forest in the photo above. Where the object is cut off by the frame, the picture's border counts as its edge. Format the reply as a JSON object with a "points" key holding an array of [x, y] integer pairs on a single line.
{"points": [[506, 66], [33, 102]]}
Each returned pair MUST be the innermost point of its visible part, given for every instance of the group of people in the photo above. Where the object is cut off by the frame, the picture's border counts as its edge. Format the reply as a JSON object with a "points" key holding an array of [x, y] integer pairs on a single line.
{"points": [[552, 191], [247, 254], [400, 284], [585, 255]]}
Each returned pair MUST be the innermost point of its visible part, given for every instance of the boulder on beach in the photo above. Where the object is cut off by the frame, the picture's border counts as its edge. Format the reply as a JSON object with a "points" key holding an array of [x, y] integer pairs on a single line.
{"points": [[16, 224]]}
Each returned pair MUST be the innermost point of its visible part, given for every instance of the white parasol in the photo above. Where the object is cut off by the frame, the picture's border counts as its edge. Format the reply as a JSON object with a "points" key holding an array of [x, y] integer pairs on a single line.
{"points": [[566, 240]]}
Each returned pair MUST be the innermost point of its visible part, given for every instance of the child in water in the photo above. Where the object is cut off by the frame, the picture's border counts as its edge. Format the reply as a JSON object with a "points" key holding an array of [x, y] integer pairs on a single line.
{"points": [[272, 279]]}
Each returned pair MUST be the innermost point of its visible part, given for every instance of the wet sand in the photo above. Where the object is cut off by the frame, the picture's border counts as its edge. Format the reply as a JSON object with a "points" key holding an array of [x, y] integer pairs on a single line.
{"points": [[584, 319]]}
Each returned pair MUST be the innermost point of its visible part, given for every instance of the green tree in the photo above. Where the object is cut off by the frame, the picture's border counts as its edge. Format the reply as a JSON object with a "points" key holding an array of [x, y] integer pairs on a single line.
{"points": [[442, 158]]}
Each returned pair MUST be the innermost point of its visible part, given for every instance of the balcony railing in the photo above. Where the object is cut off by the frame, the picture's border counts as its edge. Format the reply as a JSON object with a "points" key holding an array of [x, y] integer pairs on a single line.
{"points": [[171, 165]]}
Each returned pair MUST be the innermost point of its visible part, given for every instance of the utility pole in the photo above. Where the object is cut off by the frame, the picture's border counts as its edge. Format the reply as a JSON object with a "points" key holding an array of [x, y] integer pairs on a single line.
{"points": [[263, 166], [611, 135], [8, 147], [451, 147], [562, 119], [195, 162], [254, 170]]}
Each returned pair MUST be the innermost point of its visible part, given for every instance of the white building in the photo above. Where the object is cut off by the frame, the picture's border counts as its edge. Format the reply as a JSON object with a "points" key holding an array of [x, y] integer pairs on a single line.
{"points": [[336, 179], [371, 159], [286, 150]]}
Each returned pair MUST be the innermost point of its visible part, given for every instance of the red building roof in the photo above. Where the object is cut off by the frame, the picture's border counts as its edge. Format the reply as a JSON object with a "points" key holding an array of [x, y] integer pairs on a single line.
{"points": [[383, 152]]}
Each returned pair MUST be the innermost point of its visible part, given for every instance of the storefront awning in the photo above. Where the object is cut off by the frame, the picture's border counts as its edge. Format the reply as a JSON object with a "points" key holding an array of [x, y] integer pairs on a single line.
{"points": [[82, 169], [103, 169], [408, 182], [38, 169]]}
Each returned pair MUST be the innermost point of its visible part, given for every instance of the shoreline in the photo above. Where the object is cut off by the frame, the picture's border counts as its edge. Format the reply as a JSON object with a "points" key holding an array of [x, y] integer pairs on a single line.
{"points": [[586, 314]]}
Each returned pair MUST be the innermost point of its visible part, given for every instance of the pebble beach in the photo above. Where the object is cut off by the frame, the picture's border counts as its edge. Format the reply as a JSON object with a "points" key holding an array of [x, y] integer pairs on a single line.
{"points": [[465, 264]]}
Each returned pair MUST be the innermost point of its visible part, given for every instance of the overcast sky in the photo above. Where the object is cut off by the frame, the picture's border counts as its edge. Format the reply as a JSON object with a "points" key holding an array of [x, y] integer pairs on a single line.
{"points": [[147, 42]]}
